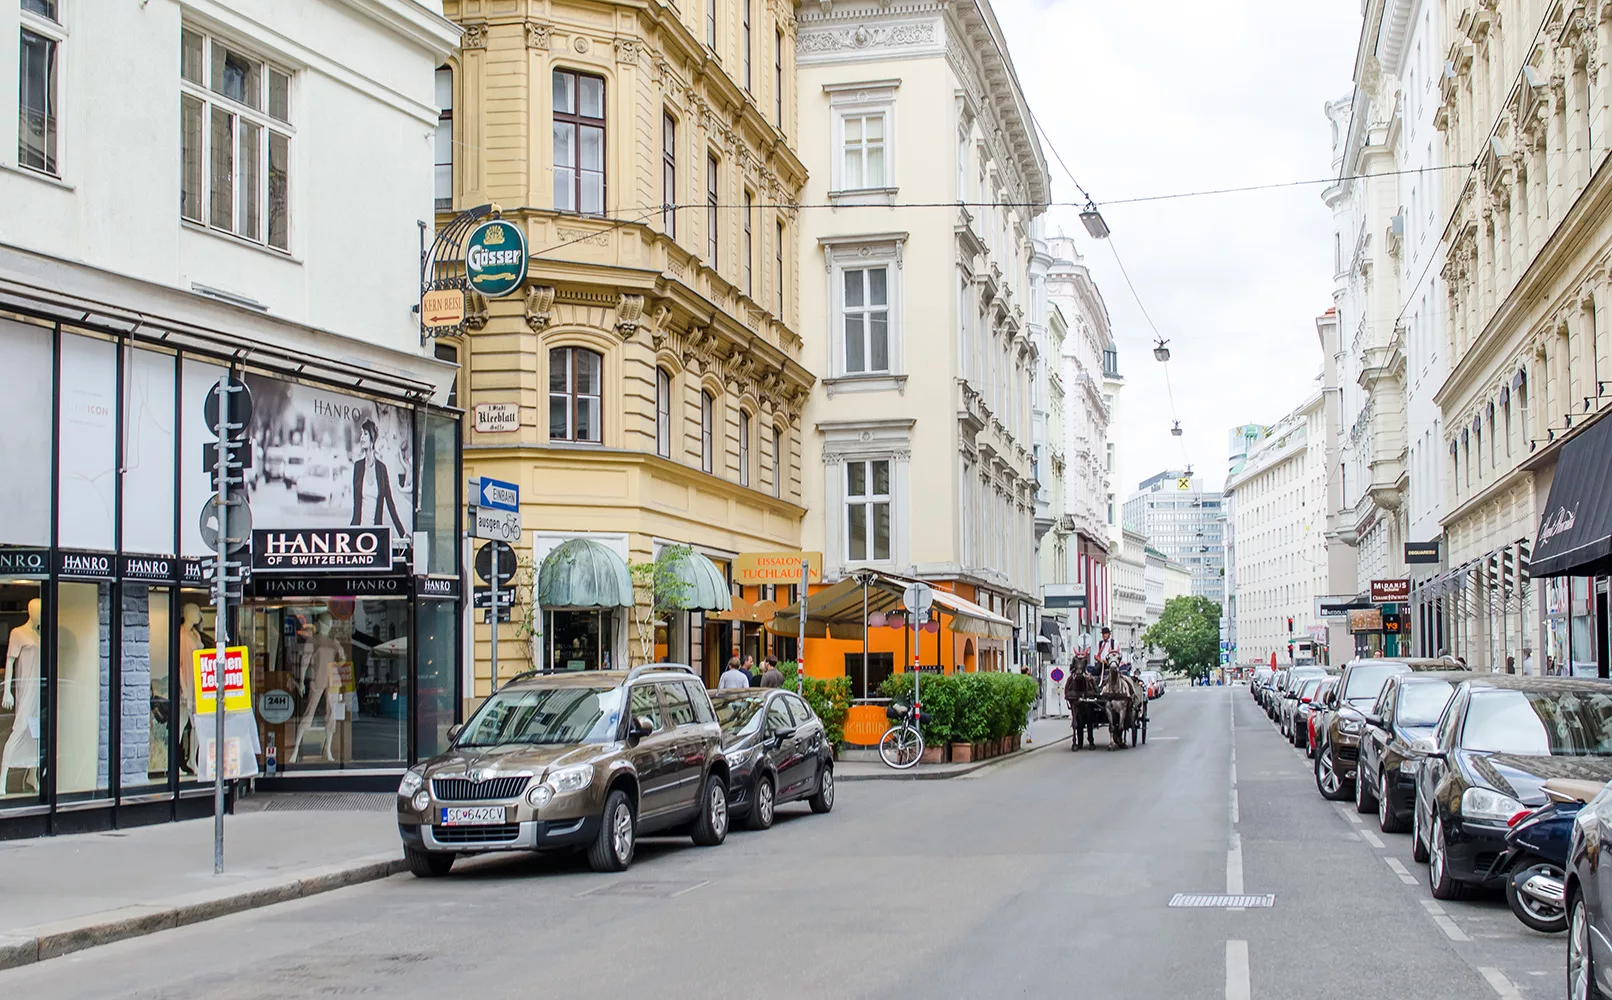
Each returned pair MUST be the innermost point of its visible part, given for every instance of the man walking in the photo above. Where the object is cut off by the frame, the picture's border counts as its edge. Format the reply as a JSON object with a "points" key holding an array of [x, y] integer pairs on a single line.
{"points": [[733, 677], [772, 677]]}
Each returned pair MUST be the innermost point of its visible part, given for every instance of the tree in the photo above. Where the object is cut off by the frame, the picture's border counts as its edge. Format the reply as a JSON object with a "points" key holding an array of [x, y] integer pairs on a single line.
{"points": [[1189, 634], [667, 591]]}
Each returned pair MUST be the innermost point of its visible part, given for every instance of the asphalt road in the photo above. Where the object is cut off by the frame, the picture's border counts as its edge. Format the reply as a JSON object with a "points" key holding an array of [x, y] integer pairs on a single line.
{"points": [[1047, 876]]}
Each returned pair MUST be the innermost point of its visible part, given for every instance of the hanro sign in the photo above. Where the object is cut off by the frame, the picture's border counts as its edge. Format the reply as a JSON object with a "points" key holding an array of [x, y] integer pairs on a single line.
{"points": [[495, 258], [301, 549], [1390, 591], [497, 418], [442, 307], [753, 568]]}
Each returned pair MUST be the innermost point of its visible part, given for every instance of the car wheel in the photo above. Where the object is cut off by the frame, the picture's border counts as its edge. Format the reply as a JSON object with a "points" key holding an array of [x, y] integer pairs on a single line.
{"points": [[762, 805], [1327, 781], [1418, 842], [711, 828], [1365, 799], [612, 847], [1581, 983], [1438, 867], [1388, 821], [823, 800], [428, 864]]}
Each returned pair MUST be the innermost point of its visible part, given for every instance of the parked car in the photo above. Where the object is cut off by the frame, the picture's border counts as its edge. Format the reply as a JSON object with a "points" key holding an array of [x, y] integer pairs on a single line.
{"points": [[1338, 750], [1273, 693], [588, 760], [1499, 739], [1301, 730], [1587, 891], [1406, 711], [777, 752], [1154, 682], [1301, 695], [1289, 694]]}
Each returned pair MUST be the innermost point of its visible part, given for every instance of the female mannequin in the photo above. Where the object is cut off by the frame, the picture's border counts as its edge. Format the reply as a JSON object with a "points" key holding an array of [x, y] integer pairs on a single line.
{"points": [[22, 693], [319, 684], [190, 640]]}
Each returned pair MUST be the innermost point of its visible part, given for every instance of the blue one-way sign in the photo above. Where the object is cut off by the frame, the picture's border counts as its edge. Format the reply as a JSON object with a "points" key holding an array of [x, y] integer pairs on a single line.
{"points": [[497, 494]]}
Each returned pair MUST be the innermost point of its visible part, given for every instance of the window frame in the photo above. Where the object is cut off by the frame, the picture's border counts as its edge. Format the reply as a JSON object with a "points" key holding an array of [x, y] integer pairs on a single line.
{"points": [[710, 28], [663, 412], [863, 115], [573, 396], [668, 172], [782, 235], [749, 244], [581, 121], [778, 77], [866, 311], [869, 501], [713, 195], [53, 32], [749, 40], [707, 431], [445, 117], [746, 423], [777, 462]]}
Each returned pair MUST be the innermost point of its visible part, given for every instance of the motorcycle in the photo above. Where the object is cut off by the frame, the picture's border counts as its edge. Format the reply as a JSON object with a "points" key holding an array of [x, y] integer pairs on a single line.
{"points": [[1536, 854]]}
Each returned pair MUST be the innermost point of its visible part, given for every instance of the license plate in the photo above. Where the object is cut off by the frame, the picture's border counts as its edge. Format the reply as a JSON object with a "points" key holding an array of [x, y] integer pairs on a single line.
{"points": [[471, 815]]}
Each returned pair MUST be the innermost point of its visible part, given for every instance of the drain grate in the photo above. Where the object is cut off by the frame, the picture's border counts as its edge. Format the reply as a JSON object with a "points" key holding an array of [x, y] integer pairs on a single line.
{"points": [[1219, 899], [317, 802]]}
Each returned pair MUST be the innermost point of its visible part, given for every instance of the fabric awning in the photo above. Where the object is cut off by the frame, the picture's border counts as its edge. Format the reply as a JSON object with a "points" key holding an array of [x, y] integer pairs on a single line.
{"points": [[704, 588], [836, 611], [583, 573], [1575, 529]]}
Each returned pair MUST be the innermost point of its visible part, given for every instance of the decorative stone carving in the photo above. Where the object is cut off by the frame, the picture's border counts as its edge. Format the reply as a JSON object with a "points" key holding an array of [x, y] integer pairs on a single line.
{"points": [[539, 306], [579, 43], [475, 310], [538, 35], [865, 37], [659, 334], [588, 236], [629, 310], [475, 36], [628, 51]]}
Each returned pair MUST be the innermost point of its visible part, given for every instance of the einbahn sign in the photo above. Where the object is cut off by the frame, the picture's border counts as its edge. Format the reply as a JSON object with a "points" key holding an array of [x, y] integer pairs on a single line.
{"points": [[495, 258]]}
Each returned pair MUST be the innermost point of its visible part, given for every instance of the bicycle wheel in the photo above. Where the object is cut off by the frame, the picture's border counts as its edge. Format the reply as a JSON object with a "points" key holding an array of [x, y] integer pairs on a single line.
{"points": [[901, 746]]}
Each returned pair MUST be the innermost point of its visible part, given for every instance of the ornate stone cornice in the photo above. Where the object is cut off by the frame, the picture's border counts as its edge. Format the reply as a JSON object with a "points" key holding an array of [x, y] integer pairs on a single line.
{"points": [[539, 309], [475, 36], [538, 35]]}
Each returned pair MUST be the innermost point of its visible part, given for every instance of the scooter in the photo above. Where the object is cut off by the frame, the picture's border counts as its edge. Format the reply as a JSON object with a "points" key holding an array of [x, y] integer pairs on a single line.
{"points": [[1536, 854]]}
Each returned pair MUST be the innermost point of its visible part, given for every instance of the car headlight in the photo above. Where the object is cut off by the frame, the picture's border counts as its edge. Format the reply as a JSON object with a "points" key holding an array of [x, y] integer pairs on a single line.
{"points": [[570, 779], [422, 800], [1348, 727], [539, 796], [411, 783], [738, 753], [1485, 803], [1409, 766]]}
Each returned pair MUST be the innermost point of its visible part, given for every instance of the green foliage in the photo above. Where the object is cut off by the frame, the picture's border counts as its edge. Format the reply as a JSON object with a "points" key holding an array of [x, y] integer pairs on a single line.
{"points": [[968, 708], [665, 589], [1189, 634], [830, 699]]}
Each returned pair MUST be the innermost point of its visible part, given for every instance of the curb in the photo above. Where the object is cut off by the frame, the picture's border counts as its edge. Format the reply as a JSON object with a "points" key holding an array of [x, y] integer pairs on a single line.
{"points": [[45, 941], [919, 774]]}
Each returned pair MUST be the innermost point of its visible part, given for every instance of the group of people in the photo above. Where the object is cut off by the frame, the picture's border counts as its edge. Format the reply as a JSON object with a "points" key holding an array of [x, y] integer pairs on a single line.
{"points": [[742, 674]]}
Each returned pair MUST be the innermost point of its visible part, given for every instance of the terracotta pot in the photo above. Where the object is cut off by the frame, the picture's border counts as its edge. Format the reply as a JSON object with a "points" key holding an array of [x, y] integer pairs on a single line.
{"points": [[1015, 744], [962, 753], [933, 755]]}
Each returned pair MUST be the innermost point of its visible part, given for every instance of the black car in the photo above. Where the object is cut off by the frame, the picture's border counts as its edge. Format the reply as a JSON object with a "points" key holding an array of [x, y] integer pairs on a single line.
{"points": [[1587, 892], [1406, 712], [777, 752], [1500, 738], [1338, 738]]}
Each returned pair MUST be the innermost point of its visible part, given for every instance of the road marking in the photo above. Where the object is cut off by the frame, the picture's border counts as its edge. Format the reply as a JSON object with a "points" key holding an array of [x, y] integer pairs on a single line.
{"points": [[1398, 868], [1237, 981], [1445, 924], [1234, 867], [1151, 739], [1372, 839], [673, 895], [1346, 813], [1236, 815], [1501, 984]]}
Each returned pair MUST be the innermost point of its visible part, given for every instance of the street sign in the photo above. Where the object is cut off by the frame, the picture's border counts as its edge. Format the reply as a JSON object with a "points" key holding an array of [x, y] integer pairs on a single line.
{"points": [[497, 418], [442, 307], [500, 525], [240, 408], [484, 561], [237, 459], [1390, 591], [917, 598], [504, 614], [1057, 675], [497, 494], [238, 523], [482, 597], [1422, 552]]}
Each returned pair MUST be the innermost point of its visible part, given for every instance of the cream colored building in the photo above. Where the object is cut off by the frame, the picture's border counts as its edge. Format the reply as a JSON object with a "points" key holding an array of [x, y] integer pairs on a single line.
{"points": [[654, 353], [917, 445], [1128, 571]]}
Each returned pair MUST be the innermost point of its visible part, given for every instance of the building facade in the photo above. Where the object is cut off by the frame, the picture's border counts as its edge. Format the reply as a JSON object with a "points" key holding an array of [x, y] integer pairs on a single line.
{"points": [[1185, 522], [1129, 574], [1049, 453], [120, 311], [652, 358], [917, 447]]}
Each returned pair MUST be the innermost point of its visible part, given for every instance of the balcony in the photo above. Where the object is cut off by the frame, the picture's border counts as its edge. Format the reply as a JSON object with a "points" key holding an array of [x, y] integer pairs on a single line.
{"points": [[971, 411]]}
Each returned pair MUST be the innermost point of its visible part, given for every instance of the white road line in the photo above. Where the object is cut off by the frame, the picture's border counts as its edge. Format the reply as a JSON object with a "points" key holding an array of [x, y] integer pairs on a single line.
{"points": [[1445, 924], [1372, 839], [1234, 866], [1346, 812], [1236, 814], [1399, 869], [672, 896], [1501, 984], [1237, 982]]}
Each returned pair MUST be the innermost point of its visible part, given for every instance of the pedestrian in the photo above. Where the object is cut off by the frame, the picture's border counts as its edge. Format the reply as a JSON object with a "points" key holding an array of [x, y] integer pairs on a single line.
{"points": [[733, 677], [1527, 660], [772, 677], [749, 669], [1029, 713]]}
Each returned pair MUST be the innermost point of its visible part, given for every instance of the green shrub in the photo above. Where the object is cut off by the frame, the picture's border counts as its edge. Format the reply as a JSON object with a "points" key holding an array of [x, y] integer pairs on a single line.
{"points": [[830, 699], [968, 708]]}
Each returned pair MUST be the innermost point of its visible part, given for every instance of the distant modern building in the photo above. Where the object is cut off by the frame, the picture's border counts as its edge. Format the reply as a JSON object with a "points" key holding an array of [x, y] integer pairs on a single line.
{"points": [[1185, 522]]}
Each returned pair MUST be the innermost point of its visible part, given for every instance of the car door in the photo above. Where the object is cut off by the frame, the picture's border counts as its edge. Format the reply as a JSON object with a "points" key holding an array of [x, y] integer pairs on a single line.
{"points": [[687, 763], [813, 739], [781, 746], [653, 756], [1374, 736], [1433, 767]]}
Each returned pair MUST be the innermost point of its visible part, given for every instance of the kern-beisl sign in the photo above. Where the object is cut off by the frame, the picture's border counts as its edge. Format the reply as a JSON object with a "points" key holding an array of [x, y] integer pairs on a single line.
{"points": [[495, 258], [302, 550]]}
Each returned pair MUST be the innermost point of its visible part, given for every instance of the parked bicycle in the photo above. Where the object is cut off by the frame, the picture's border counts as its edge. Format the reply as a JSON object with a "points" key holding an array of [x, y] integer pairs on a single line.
{"points": [[903, 743]]}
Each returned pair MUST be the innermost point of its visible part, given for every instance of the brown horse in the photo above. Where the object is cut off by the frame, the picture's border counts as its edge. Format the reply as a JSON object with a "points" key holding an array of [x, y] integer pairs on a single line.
{"points": [[1080, 690], [1119, 694]]}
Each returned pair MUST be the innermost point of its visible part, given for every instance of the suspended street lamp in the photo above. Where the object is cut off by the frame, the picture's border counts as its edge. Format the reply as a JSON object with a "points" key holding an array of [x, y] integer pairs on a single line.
{"points": [[1176, 430], [1093, 221], [1161, 352]]}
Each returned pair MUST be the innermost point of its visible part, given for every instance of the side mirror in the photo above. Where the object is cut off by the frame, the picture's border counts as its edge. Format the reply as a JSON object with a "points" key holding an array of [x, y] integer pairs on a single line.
{"points": [[1374, 720], [454, 731], [640, 727], [779, 735]]}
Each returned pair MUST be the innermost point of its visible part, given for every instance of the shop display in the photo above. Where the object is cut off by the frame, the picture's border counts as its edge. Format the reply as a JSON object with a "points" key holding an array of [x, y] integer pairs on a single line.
{"points": [[22, 698]]}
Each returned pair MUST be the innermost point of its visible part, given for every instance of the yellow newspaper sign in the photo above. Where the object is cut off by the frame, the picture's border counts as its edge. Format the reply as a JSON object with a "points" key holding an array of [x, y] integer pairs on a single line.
{"points": [[237, 680]]}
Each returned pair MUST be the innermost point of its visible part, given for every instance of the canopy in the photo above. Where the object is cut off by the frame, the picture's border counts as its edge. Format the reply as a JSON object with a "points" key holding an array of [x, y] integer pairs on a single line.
{"points": [[704, 588], [836, 611], [1575, 530], [583, 573]]}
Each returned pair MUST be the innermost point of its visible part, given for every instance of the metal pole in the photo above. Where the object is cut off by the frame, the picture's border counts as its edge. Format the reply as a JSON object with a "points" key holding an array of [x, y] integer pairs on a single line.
{"points": [[221, 619], [917, 658], [492, 612], [865, 580], [800, 651]]}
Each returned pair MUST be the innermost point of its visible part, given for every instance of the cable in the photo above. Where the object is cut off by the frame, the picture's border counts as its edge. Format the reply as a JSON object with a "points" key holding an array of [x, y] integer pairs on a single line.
{"points": [[612, 228], [1278, 184]]}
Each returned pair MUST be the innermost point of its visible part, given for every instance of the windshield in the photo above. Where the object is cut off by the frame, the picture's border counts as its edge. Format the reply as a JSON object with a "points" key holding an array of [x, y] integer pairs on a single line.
{"points": [[1307, 689], [1366, 682], [1421, 704], [1555, 723], [736, 712], [545, 715]]}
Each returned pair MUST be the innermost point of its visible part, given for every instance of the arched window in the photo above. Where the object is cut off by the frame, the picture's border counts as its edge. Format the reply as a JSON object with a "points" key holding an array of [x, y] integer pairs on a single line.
{"points": [[574, 394], [707, 430], [744, 448], [777, 462], [663, 413]]}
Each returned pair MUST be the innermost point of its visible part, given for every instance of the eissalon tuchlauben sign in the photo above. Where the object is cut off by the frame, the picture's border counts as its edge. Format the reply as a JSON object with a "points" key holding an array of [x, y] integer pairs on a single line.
{"points": [[495, 258]]}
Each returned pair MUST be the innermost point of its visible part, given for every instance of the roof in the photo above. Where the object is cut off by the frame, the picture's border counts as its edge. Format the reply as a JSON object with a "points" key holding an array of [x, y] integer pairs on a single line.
{"points": [[1520, 682], [836, 612]]}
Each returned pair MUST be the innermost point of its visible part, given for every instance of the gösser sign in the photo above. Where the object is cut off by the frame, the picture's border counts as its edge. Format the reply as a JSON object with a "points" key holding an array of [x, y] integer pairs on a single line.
{"points": [[495, 257]]}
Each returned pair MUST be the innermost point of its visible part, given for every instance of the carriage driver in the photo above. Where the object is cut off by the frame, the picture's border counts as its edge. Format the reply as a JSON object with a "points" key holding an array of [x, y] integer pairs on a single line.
{"points": [[1106, 646]]}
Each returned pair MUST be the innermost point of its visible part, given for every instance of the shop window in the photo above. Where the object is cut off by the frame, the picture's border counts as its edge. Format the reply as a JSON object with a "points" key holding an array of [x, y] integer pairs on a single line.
{"points": [[575, 394], [83, 634], [436, 645], [579, 142], [87, 430], [148, 451], [581, 640], [25, 412], [880, 666], [22, 703], [444, 139], [38, 85], [198, 622], [149, 709]]}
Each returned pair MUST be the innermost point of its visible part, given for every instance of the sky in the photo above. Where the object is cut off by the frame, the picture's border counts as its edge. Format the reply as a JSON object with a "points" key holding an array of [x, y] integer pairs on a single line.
{"points": [[1171, 96]]}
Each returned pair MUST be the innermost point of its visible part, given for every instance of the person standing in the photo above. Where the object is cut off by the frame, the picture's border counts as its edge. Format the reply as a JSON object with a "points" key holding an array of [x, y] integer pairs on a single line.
{"points": [[1106, 646], [772, 677], [734, 677], [749, 669]]}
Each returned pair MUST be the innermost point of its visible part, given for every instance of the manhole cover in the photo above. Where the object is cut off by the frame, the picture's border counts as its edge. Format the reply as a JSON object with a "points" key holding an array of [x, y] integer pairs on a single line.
{"points": [[1217, 899], [660, 889]]}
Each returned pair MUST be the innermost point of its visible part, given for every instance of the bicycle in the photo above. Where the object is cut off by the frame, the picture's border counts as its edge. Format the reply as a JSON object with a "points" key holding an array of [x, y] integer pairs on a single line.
{"points": [[902, 745]]}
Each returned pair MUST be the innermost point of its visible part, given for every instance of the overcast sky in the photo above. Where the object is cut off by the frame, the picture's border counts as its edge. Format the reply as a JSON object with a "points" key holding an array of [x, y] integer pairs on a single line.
{"points": [[1179, 95]]}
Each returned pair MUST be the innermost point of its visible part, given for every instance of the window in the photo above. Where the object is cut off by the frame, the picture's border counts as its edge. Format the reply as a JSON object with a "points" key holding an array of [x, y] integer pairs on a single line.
{"points": [[777, 462], [778, 78], [679, 706], [707, 419], [444, 177], [710, 25], [37, 88], [449, 353], [749, 245], [867, 320], [867, 510], [574, 394], [744, 448], [579, 143], [663, 413], [710, 207], [668, 173], [747, 44], [235, 141], [862, 151]]}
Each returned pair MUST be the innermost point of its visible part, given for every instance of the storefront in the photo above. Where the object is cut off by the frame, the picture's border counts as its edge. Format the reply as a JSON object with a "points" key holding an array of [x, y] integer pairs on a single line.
{"points": [[105, 580], [1572, 556]]}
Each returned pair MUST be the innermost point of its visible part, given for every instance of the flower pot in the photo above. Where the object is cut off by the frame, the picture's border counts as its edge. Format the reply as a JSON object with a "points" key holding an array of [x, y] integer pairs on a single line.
{"points": [[1014, 741], [933, 755], [978, 747], [962, 753]]}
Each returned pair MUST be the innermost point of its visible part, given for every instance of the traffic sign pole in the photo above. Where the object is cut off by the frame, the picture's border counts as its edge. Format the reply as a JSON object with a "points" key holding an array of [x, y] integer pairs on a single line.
{"points": [[221, 619]]}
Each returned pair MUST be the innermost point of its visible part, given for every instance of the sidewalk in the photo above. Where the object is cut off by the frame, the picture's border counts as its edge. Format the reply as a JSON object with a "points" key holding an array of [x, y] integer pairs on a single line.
{"points": [[1043, 732], [62, 894]]}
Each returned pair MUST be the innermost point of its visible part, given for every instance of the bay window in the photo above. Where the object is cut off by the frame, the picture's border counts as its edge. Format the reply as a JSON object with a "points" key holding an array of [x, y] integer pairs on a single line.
{"points": [[579, 142]]}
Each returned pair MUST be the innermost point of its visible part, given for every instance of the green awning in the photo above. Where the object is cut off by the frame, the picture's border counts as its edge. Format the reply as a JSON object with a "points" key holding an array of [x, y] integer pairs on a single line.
{"points": [[583, 573], [703, 587]]}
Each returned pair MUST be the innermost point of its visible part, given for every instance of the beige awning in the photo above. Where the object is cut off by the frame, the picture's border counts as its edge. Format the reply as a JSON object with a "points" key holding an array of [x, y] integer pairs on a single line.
{"points": [[836, 611]]}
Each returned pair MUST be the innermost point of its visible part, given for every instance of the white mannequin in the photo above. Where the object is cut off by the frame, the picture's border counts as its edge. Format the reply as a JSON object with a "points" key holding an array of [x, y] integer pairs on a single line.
{"points": [[318, 679], [190, 640], [22, 693]]}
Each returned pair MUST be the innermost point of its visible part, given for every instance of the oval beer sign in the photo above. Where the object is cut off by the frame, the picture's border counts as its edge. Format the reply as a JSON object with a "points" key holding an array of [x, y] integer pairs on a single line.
{"points": [[495, 258]]}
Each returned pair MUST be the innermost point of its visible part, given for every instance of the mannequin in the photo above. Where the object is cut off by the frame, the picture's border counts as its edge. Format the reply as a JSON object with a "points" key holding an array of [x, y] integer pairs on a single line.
{"points": [[319, 683], [190, 640], [22, 694]]}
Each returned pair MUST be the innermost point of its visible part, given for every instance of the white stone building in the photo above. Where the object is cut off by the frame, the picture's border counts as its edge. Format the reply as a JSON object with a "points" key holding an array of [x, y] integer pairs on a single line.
{"points": [[1128, 571]]}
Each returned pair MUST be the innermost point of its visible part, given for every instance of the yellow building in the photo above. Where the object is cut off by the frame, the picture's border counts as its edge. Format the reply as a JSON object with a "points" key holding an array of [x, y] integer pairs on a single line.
{"points": [[644, 388]]}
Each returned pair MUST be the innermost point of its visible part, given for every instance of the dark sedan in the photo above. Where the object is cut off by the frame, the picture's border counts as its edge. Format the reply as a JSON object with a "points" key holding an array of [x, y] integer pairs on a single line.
{"points": [[1310, 703], [1498, 741], [1587, 890], [777, 752], [1338, 738], [1406, 712]]}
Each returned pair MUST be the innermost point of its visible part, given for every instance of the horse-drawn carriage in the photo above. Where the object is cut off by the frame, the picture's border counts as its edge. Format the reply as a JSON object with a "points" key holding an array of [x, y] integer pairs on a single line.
{"points": [[1109, 695]]}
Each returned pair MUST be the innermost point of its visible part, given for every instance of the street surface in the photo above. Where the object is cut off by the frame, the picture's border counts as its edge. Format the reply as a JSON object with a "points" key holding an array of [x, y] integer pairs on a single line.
{"points": [[1046, 876]]}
